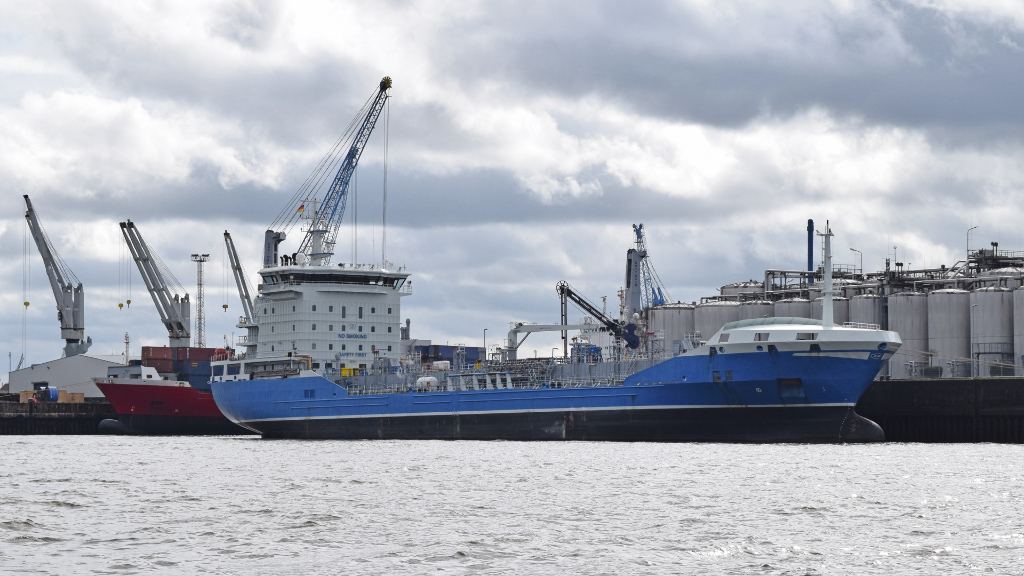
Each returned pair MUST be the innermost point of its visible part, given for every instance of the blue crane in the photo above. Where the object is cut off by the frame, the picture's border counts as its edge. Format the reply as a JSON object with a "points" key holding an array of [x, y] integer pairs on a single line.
{"points": [[318, 244], [643, 286]]}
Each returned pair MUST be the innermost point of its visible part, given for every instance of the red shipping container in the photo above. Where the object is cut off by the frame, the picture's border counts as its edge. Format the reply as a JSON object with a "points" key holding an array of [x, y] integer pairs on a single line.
{"points": [[157, 352], [196, 354], [161, 364]]}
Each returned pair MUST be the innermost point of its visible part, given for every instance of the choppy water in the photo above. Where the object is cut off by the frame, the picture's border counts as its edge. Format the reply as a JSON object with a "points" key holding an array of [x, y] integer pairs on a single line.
{"points": [[108, 505]]}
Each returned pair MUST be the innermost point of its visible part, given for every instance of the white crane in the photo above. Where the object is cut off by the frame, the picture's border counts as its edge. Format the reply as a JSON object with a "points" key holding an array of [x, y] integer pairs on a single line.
{"points": [[67, 290], [174, 307], [248, 320]]}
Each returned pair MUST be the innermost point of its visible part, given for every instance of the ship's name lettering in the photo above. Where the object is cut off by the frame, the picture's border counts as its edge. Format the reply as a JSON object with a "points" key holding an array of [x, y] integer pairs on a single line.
{"points": [[348, 335]]}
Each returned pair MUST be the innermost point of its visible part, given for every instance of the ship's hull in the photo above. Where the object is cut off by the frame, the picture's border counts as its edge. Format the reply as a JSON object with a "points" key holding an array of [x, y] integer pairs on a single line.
{"points": [[766, 397], [758, 425], [170, 410]]}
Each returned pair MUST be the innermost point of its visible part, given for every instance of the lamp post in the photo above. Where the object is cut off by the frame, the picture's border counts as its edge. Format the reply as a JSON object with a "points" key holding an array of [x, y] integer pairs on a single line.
{"points": [[861, 259], [969, 240], [485, 343]]}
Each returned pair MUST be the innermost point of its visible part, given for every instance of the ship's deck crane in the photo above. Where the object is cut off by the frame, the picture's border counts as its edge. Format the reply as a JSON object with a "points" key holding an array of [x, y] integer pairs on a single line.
{"points": [[67, 290], [173, 306], [318, 244], [248, 320], [644, 288], [620, 329]]}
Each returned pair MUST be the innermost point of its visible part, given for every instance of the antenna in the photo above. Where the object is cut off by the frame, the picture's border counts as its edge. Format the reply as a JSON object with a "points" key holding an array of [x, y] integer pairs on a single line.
{"points": [[199, 259]]}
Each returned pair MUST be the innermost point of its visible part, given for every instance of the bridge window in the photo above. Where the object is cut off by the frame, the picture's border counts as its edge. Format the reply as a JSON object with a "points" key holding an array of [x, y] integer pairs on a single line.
{"points": [[723, 337], [761, 337], [806, 335]]}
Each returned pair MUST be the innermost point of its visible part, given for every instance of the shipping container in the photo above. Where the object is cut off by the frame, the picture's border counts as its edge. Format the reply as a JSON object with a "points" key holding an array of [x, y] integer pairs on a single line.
{"points": [[160, 364], [157, 352]]}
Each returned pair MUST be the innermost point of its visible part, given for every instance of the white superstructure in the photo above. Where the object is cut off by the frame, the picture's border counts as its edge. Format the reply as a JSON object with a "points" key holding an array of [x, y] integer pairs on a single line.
{"points": [[343, 316]]}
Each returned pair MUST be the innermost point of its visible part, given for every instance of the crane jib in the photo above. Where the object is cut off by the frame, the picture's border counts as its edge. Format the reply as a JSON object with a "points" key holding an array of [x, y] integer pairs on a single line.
{"points": [[332, 209]]}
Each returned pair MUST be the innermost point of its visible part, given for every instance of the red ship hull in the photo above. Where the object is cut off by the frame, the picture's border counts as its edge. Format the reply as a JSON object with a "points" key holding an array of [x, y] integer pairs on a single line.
{"points": [[162, 409]]}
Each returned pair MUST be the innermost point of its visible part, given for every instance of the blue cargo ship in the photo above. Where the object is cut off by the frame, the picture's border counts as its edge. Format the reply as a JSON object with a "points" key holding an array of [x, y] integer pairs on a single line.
{"points": [[763, 380]]}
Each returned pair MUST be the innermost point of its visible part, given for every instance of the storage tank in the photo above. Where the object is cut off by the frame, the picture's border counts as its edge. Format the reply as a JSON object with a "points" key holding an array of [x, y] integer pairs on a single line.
{"points": [[949, 331], [866, 309], [840, 309], [1018, 330], [756, 309], [908, 317], [992, 331], [793, 308], [675, 319], [709, 317], [1008, 277], [744, 290]]}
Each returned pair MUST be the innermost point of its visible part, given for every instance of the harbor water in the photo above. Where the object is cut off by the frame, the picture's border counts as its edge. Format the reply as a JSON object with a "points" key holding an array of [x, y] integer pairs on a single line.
{"points": [[242, 505]]}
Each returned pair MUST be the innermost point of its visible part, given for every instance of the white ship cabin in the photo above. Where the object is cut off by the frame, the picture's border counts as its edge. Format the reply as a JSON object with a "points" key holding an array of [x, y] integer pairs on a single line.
{"points": [[761, 334], [133, 373], [339, 316]]}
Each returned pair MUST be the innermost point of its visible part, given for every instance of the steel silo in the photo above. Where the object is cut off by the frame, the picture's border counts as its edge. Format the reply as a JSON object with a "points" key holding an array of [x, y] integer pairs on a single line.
{"points": [[793, 308], [949, 331], [756, 309], [866, 309], [908, 317], [992, 330], [840, 309], [709, 317], [1018, 329], [675, 319]]}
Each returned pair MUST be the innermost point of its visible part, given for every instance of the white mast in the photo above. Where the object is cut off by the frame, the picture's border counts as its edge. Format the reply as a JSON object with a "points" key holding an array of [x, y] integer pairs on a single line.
{"points": [[826, 294]]}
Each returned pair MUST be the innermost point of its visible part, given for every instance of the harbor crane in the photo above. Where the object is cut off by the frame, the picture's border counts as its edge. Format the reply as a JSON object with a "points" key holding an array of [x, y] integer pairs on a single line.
{"points": [[318, 244], [248, 319], [621, 330], [67, 290], [643, 286], [170, 298]]}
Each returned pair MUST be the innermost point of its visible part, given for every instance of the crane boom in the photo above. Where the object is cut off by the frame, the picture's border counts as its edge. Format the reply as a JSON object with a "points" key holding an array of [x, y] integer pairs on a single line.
{"points": [[243, 286], [318, 244], [173, 308], [67, 290], [644, 288], [624, 331]]}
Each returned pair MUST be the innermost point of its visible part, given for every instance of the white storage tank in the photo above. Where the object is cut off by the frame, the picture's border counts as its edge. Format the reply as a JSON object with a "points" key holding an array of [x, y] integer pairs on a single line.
{"points": [[1018, 330], [865, 309], [752, 309], [709, 317], [1009, 277], [744, 290], [949, 331], [992, 331], [793, 308], [840, 309], [908, 317], [675, 319]]}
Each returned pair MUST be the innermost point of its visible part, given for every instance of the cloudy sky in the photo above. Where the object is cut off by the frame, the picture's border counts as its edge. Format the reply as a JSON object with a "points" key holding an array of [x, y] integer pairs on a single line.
{"points": [[525, 139]]}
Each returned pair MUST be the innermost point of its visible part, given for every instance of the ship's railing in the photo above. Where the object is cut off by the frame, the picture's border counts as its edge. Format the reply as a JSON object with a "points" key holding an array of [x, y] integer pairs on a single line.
{"points": [[861, 325]]}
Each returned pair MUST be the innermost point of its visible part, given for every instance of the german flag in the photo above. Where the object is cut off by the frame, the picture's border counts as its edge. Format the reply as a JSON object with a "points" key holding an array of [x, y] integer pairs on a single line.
{"points": [[301, 208]]}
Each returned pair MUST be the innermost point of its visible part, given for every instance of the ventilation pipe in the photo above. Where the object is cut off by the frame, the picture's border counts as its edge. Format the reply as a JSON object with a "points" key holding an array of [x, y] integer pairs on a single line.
{"points": [[810, 251]]}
